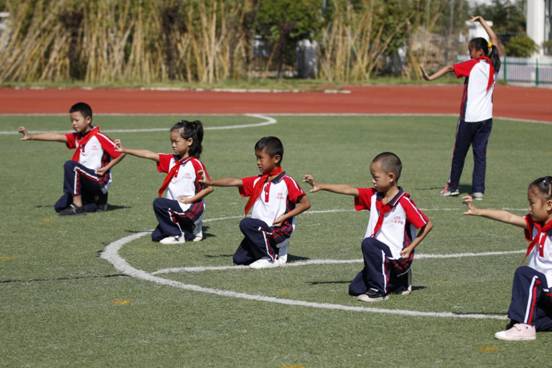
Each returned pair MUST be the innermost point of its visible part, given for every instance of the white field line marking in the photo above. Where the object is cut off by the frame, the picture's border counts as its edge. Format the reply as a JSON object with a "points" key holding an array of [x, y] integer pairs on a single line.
{"points": [[111, 254], [267, 121], [332, 262]]}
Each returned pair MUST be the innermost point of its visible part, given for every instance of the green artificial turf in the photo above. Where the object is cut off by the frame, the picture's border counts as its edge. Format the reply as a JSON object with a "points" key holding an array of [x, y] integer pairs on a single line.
{"points": [[63, 306]]}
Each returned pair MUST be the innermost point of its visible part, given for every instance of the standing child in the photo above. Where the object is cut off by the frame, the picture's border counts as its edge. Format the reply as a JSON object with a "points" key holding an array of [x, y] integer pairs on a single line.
{"points": [[390, 240], [87, 175], [274, 200], [180, 205], [531, 306], [476, 110]]}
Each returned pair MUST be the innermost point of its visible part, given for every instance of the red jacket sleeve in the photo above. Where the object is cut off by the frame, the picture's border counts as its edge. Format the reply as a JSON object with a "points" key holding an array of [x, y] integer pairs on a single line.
{"points": [[248, 184], [295, 193], [70, 140], [108, 145], [463, 69], [364, 199], [529, 224], [413, 213], [164, 162], [199, 169]]}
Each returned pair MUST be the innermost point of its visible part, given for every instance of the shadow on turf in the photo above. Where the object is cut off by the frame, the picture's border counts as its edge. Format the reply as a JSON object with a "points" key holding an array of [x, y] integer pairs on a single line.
{"points": [[111, 207], [463, 188], [291, 257], [63, 278]]}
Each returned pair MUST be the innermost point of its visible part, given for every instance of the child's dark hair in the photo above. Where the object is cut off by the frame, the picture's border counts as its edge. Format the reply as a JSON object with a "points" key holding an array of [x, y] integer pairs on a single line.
{"points": [[479, 43], [194, 130], [390, 162], [271, 145], [544, 186], [83, 108]]}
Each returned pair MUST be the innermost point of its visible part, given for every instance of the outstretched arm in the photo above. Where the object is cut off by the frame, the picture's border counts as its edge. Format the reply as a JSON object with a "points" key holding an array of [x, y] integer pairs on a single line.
{"points": [[142, 153], [52, 137], [497, 215], [492, 36], [222, 182], [438, 74], [334, 188]]}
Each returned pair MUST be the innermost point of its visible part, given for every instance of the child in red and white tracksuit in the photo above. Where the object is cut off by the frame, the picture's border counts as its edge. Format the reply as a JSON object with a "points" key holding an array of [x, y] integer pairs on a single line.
{"points": [[531, 306], [180, 206], [396, 227]]}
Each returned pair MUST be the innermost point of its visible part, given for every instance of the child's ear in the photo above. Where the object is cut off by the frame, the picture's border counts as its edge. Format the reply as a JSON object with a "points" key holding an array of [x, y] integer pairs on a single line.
{"points": [[277, 158], [548, 205]]}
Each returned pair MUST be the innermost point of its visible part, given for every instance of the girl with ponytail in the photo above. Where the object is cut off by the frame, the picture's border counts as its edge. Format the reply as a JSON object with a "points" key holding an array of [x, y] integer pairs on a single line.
{"points": [[180, 205], [476, 109]]}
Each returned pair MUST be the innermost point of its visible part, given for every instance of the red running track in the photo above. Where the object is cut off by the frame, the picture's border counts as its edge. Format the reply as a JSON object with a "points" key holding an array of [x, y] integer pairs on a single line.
{"points": [[514, 102]]}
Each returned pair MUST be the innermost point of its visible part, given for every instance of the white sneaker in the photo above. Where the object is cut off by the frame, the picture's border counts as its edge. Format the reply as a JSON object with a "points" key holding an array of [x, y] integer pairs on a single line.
{"points": [[406, 291], [518, 332], [367, 298], [478, 196], [264, 262], [198, 236], [450, 193], [283, 252], [173, 240]]}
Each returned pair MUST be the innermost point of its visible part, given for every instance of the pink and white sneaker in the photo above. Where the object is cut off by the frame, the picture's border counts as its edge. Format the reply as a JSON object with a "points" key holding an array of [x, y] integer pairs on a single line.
{"points": [[518, 332]]}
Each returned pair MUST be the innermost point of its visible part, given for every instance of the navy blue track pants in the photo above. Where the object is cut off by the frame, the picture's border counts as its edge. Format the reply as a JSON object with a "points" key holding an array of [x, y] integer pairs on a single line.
{"points": [[477, 135], [531, 299], [173, 221], [79, 180], [380, 273], [257, 242]]}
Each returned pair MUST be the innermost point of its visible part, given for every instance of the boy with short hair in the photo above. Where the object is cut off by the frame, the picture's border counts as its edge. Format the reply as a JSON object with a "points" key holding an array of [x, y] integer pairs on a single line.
{"points": [[87, 175], [390, 240], [274, 200]]}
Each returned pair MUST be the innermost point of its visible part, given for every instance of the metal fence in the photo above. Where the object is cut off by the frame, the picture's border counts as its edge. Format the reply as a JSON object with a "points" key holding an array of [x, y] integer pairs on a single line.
{"points": [[526, 70]]}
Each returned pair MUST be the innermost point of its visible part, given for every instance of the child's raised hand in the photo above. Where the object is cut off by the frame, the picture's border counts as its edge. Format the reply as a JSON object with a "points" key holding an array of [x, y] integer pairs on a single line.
{"points": [[25, 134], [477, 18], [472, 210], [309, 179], [424, 73]]}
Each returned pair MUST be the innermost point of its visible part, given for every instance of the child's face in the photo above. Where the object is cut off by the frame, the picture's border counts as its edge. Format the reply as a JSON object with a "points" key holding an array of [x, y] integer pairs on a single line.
{"points": [[540, 209], [180, 145], [381, 179], [266, 162], [79, 123], [474, 53]]}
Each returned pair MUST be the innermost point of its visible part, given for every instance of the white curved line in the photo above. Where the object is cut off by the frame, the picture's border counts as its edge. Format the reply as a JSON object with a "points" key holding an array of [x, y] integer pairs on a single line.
{"points": [[312, 262], [267, 121], [111, 254]]}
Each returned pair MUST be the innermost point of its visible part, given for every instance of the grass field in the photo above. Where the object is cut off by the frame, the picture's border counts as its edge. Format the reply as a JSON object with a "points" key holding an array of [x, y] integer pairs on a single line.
{"points": [[64, 306]]}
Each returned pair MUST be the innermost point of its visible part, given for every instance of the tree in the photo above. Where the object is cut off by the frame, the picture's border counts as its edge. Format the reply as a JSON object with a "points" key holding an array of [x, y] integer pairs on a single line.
{"points": [[284, 22], [508, 17], [521, 46]]}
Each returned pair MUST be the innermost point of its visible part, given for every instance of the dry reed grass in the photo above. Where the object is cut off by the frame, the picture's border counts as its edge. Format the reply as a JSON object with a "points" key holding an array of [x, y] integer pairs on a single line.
{"points": [[107, 41]]}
